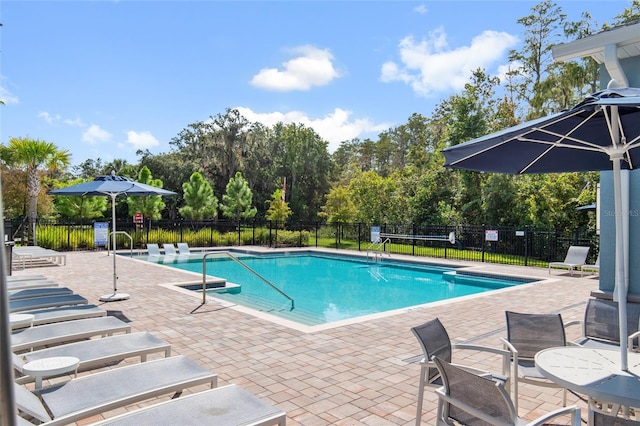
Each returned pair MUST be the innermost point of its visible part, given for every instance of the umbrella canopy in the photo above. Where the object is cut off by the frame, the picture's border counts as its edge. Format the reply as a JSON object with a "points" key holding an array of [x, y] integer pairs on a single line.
{"points": [[600, 133], [112, 185]]}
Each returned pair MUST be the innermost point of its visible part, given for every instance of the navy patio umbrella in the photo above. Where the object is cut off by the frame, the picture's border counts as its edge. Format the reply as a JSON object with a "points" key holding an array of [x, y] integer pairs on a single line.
{"points": [[600, 133], [112, 185]]}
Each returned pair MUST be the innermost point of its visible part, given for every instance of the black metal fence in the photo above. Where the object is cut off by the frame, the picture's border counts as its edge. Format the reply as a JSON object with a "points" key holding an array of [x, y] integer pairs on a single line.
{"points": [[507, 245]]}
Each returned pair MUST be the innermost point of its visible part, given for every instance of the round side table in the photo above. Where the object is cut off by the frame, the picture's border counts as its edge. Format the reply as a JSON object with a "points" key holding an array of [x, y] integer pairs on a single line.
{"points": [[50, 367]]}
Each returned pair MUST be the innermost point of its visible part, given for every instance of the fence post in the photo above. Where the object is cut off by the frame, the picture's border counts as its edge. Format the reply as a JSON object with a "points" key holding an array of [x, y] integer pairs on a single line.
{"points": [[316, 229], [413, 240], [526, 245], [359, 230], [446, 246], [484, 242]]}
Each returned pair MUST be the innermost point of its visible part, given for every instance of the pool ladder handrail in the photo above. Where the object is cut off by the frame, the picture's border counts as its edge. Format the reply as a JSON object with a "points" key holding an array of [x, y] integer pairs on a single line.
{"points": [[377, 248], [241, 263]]}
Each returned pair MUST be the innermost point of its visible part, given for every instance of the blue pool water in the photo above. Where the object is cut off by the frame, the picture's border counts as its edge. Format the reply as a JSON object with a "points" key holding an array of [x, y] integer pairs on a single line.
{"points": [[327, 288]]}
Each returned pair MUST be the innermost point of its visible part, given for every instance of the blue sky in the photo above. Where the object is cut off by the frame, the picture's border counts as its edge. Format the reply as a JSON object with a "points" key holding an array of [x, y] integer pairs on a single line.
{"points": [[103, 79]]}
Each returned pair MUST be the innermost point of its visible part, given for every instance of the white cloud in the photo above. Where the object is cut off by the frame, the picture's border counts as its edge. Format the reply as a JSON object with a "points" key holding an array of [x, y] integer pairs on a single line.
{"points": [[421, 9], [76, 122], [7, 97], [51, 119], [310, 67], [141, 140], [431, 65], [335, 127], [95, 134]]}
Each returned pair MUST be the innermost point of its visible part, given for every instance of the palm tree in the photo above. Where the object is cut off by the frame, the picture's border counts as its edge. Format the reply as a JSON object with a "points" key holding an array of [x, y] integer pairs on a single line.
{"points": [[33, 155]]}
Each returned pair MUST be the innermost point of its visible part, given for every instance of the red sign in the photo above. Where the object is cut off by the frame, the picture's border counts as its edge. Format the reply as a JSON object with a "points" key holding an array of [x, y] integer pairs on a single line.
{"points": [[137, 218]]}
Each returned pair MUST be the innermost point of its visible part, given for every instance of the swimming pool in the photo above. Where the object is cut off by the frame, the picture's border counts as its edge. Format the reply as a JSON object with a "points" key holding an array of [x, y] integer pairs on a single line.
{"points": [[327, 288]]}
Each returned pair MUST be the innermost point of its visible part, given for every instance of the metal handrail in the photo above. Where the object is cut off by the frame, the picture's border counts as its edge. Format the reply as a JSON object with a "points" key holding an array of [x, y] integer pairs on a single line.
{"points": [[241, 263], [376, 248], [120, 232]]}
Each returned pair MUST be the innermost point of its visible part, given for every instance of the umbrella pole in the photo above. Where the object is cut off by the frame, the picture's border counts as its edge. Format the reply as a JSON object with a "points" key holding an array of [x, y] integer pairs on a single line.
{"points": [[115, 296], [620, 292]]}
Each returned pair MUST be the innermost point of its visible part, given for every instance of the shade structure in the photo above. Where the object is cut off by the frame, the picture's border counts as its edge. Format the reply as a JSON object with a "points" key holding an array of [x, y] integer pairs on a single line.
{"points": [[600, 133], [112, 186]]}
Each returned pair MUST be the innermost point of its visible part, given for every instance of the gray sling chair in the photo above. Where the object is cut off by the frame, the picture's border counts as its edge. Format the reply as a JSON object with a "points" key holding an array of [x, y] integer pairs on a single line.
{"points": [[470, 399], [64, 313], [28, 293], [597, 418], [227, 405], [527, 334], [65, 332], [96, 352], [46, 302], [97, 393], [434, 341], [22, 285]]}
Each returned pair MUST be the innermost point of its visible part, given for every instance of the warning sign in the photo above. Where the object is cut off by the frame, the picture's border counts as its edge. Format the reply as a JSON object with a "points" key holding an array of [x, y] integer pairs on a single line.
{"points": [[137, 218]]}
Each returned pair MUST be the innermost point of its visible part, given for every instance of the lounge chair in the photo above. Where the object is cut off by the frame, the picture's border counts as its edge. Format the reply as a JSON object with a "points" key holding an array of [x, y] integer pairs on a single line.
{"points": [[468, 398], [98, 352], [227, 405], [65, 313], [26, 284], [29, 293], [169, 249], [528, 334], [33, 277], [46, 302], [595, 268], [183, 248], [576, 257], [598, 418], [36, 255], [434, 341], [63, 332], [153, 249], [92, 394]]}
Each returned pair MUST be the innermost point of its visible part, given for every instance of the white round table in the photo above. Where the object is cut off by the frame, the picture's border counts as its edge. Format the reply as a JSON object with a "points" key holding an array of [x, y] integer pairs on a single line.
{"points": [[21, 320], [593, 372], [50, 367]]}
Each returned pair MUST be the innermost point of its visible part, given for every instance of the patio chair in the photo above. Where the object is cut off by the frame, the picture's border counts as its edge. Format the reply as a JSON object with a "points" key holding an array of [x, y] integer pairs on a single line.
{"points": [[600, 325], [97, 352], [46, 302], [26, 284], [227, 405], [528, 334], [183, 248], [576, 257], [470, 399], [97, 393], [65, 313], [64, 332], [29, 293], [598, 418], [153, 249], [595, 268], [434, 341], [32, 277], [169, 249]]}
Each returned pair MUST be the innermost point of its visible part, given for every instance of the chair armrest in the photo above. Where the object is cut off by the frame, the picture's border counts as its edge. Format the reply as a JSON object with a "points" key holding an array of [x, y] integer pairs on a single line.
{"points": [[630, 340], [571, 323], [505, 353], [574, 410]]}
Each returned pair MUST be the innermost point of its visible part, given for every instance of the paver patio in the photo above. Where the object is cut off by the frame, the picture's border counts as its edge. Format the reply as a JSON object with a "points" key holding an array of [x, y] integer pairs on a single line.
{"points": [[362, 373]]}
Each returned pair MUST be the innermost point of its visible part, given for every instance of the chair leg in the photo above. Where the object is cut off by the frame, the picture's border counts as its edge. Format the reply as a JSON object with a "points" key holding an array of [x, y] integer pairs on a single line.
{"points": [[420, 396]]}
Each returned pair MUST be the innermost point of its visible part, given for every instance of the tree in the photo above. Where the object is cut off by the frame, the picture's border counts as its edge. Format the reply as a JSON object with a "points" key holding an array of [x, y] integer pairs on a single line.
{"points": [[339, 207], [199, 199], [34, 157], [237, 200], [278, 210], [80, 207], [150, 206]]}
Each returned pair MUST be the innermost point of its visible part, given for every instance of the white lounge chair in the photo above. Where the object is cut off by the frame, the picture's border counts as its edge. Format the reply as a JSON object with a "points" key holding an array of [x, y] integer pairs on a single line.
{"points": [[33, 277], [26, 284], [92, 394], [153, 249], [63, 332], [576, 257], [595, 268], [169, 249], [227, 405], [65, 313], [97, 352], [183, 248], [29, 293], [46, 302]]}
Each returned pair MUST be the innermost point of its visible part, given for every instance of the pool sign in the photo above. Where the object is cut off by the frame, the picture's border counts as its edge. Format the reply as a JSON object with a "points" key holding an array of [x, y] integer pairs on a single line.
{"points": [[137, 218], [100, 234], [375, 234], [491, 235]]}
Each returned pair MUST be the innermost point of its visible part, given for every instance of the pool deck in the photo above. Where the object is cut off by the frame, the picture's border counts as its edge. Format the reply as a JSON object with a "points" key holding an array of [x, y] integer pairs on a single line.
{"points": [[352, 373]]}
